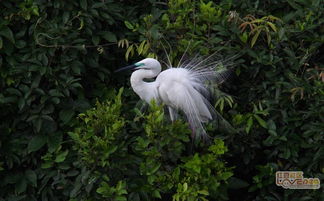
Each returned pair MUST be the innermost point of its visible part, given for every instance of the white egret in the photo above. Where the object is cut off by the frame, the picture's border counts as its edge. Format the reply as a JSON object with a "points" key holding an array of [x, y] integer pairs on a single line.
{"points": [[180, 88]]}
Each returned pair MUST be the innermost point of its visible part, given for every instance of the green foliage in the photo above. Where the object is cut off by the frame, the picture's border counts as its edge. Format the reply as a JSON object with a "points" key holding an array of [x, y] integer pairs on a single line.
{"points": [[153, 162], [278, 94], [96, 140], [56, 59], [264, 24], [201, 175]]}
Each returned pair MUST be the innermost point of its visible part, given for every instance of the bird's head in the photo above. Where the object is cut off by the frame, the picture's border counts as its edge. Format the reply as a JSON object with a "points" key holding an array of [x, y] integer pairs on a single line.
{"points": [[145, 64]]}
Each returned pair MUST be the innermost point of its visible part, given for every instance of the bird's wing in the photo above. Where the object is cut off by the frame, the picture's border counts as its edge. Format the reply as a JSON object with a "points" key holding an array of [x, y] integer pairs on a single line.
{"points": [[182, 95]]}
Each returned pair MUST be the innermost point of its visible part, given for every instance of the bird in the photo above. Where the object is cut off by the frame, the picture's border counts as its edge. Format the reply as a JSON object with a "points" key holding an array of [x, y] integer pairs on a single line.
{"points": [[182, 88]]}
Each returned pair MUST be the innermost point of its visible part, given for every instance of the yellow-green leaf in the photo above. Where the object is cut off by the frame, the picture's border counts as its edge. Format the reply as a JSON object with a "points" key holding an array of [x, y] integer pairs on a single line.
{"points": [[260, 121], [185, 187], [141, 47], [249, 125], [129, 25], [61, 157], [129, 51], [203, 192], [273, 27], [255, 37]]}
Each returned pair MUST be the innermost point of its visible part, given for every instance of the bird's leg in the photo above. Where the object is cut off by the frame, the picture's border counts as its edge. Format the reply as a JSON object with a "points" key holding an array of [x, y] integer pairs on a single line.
{"points": [[143, 106], [193, 131], [172, 113], [193, 134]]}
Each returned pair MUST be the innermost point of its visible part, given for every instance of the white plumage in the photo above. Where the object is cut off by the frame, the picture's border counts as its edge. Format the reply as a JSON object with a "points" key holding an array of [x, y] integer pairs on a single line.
{"points": [[180, 88]]}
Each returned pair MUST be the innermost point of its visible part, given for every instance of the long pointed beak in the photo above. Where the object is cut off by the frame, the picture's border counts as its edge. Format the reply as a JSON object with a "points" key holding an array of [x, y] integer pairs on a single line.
{"points": [[126, 68]]}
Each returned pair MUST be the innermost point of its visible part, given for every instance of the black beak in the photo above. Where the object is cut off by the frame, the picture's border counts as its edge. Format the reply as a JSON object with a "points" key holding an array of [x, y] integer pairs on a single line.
{"points": [[126, 68]]}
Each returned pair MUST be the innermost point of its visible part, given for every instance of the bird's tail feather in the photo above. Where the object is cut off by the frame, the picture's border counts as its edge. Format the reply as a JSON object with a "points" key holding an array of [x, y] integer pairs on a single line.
{"points": [[199, 99], [196, 112]]}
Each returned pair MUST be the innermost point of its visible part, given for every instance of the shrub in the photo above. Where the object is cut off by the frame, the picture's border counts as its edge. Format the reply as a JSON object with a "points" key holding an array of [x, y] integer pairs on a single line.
{"points": [[147, 162], [56, 59], [277, 89]]}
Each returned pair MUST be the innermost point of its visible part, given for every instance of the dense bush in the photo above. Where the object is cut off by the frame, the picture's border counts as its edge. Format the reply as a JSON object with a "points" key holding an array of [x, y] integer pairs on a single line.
{"points": [[150, 162], [278, 88], [56, 59]]}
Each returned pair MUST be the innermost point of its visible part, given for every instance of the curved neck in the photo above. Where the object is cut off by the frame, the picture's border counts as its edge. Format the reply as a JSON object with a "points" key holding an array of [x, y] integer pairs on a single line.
{"points": [[145, 90], [138, 76]]}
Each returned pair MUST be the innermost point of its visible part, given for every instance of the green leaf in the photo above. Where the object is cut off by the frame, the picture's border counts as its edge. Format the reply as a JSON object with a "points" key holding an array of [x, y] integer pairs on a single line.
{"points": [[73, 173], [109, 36], [225, 175], [185, 187], [154, 169], [76, 69], [283, 138], [47, 164], [61, 157], [260, 121], [236, 183], [84, 4], [255, 37], [38, 124], [56, 92], [273, 27], [111, 149], [76, 190], [36, 143], [20, 44], [11, 99], [271, 124], [129, 51], [140, 47], [65, 17], [53, 141], [47, 117], [74, 136], [14, 91], [21, 186], [120, 198], [294, 5], [249, 125], [203, 192], [21, 103], [157, 194], [129, 25], [95, 40], [151, 179], [31, 118], [244, 37], [55, 100], [194, 164], [66, 115], [7, 33], [31, 177], [98, 5], [35, 10], [272, 132], [154, 30], [287, 153]]}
